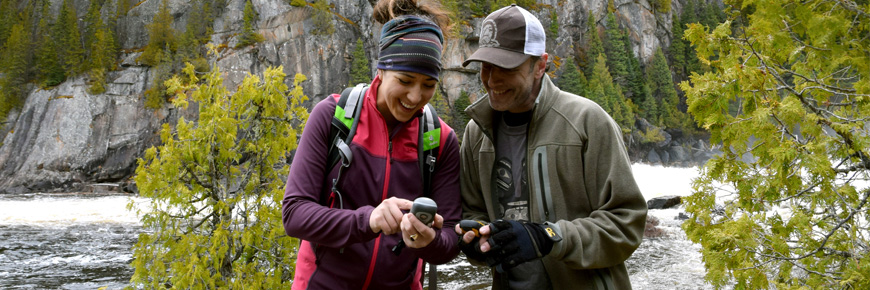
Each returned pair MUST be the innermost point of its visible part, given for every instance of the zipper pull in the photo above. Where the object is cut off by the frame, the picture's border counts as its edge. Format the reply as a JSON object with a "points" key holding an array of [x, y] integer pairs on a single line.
{"points": [[390, 150]]}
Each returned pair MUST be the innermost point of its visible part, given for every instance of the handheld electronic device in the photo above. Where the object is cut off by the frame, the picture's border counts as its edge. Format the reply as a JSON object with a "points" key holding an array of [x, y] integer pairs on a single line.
{"points": [[424, 209]]}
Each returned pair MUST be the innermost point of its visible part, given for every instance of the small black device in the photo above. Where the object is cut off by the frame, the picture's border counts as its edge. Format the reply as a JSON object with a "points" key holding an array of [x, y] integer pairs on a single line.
{"points": [[471, 225], [424, 209]]}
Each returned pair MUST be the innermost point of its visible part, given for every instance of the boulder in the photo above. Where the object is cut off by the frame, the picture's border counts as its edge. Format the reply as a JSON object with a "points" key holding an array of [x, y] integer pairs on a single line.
{"points": [[663, 202]]}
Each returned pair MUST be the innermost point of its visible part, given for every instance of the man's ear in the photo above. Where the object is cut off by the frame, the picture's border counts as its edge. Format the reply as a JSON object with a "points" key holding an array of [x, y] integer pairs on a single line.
{"points": [[541, 66]]}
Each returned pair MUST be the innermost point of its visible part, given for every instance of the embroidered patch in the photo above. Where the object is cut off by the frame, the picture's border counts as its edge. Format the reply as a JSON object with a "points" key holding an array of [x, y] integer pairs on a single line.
{"points": [[488, 33]]}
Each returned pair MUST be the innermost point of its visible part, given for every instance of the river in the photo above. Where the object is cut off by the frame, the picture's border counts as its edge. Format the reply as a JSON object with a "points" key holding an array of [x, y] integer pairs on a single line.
{"points": [[83, 241]]}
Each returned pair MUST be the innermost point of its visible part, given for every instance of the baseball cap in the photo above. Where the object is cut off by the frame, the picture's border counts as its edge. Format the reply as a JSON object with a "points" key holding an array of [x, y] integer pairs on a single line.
{"points": [[508, 37]]}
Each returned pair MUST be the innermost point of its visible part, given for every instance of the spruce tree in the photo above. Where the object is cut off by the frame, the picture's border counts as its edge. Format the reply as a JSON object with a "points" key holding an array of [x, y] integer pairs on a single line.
{"points": [[49, 71], [609, 95], [662, 88], [634, 75], [594, 45], [102, 58], [322, 18], [572, 79], [14, 67], [689, 16], [614, 48], [249, 36], [360, 70], [677, 51], [8, 17], [161, 37], [68, 35]]}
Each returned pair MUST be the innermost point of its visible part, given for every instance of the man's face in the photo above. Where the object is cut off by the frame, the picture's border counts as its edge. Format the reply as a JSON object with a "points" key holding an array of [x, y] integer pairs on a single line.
{"points": [[513, 89]]}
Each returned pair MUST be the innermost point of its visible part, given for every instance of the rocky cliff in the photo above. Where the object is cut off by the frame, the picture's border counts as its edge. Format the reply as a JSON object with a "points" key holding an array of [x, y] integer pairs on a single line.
{"points": [[65, 139]]}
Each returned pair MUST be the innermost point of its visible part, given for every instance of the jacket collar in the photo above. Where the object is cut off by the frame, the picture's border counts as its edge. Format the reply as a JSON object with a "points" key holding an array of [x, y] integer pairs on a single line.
{"points": [[483, 114]]}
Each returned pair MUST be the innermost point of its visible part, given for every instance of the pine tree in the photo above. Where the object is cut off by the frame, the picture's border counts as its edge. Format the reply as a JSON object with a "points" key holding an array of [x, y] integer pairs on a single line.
{"points": [[249, 36], [14, 67], [614, 48], [49, 71], [594, 45], [690, 15], [92, 22], [322, 18], [161, 37], [72, 52], [662, 89], [460, 118], [572, 79], [102, 59], [8, 17], [794, 216], [214, 187], [677, 51], [360, 69], [609, 96], [633, 87]]}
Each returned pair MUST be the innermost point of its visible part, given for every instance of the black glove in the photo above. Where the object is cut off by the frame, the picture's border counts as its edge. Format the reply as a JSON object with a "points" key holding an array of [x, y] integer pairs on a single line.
{"points": [[472, 250], [517, 242]]}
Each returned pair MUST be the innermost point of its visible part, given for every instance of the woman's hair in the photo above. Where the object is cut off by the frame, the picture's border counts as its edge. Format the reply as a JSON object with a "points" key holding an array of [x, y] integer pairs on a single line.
{"points": [[385, 10]]}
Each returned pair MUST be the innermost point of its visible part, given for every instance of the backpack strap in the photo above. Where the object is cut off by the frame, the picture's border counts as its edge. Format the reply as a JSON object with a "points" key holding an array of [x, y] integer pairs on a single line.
{"points": [[428, 146], [344, 124]]}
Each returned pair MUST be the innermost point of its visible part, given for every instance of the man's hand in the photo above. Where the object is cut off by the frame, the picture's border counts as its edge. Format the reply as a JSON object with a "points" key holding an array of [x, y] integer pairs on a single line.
{"points": [[388, 215], [516, 242], [470, 242]]}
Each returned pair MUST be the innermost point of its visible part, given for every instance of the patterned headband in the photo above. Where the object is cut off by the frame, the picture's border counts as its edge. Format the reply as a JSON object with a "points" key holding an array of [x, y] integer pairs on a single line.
{"points": [[411, 43]]}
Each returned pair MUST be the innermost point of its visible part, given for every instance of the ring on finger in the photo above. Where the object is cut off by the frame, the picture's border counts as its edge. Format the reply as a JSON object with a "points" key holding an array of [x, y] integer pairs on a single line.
{"points": [[413, 237]]}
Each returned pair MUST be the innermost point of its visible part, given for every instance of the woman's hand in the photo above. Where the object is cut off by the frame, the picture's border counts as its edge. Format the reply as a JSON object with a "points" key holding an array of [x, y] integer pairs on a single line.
{"points": [[388, 215], [422, 234]]}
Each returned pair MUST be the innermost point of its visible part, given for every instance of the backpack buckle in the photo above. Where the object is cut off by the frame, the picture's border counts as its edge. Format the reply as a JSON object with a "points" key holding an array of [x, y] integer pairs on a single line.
{"points": [[430, 160]]}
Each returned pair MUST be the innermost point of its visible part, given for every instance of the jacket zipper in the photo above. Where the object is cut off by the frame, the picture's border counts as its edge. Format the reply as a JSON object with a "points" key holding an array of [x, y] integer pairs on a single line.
{"points": [[383, 197]]}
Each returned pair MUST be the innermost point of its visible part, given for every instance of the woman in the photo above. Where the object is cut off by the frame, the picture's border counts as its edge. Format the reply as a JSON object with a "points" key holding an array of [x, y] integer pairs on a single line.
{"points": [[351, 247]]}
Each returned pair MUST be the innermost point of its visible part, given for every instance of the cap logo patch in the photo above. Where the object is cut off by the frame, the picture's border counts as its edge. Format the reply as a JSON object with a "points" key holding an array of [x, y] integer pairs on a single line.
{"points": [[488, 33]]}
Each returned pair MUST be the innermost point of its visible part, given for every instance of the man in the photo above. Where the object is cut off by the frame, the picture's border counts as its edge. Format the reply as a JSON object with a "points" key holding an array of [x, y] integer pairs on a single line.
{"points": [[547, 167]]}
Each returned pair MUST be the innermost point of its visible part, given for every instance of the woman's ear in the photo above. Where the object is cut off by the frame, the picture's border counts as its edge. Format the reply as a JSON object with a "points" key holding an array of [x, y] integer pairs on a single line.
{"points": [[380, 74]]}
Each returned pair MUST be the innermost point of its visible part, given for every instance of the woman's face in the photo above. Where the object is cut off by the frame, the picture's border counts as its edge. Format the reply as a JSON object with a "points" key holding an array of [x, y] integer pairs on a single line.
{"points": [[401, 94]]}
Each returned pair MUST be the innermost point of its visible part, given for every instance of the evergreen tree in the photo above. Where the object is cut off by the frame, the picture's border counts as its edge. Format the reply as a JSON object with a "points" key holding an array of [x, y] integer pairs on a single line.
{"points": [[609, 96], [92, 22], [161, 37], [677, 51], [360, 70], [690, 15], [796, 215], [460, 118], [614, 48], [572, 79], [249, 36], [322, 18], [14, 67], [595, 47], [49, 71], [72, 52], [662, 89], [8, 17], [634, 74], [214, 187], [649, 108], [102, 58]]}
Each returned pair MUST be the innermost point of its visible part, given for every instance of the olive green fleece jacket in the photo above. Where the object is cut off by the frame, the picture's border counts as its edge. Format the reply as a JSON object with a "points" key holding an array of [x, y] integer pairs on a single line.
{"points": [[580, 180]]}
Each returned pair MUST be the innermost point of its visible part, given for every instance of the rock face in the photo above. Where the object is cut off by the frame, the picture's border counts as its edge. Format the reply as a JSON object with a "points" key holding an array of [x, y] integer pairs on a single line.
{"points": [[63, 139]]}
